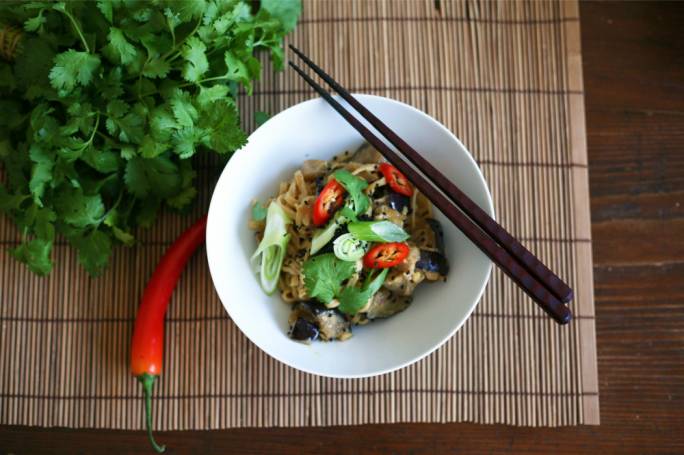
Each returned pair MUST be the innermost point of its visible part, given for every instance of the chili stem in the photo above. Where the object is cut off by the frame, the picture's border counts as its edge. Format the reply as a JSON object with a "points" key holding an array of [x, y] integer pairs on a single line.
{"points": [[147, 381]]}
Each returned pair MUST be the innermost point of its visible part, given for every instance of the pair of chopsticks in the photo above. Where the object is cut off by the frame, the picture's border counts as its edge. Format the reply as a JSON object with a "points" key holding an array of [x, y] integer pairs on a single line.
{"points": [[540, 283]]}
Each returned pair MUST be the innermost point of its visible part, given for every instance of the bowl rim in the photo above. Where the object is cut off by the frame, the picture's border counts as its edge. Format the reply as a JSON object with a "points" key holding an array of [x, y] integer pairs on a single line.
{"points": [[488, 208]]}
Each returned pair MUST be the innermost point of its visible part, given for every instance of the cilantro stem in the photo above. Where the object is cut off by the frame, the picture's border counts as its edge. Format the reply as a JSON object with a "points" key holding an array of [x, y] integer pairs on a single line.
{"points": [[216, 78], [173, 33], [188, 84], [111, 210], [76, 27], [147, 60], [176, 46], [109, 138], [92, 134]]}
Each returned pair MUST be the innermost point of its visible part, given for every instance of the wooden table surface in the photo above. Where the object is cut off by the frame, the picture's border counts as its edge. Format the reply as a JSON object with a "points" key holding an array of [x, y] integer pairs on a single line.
{"points": [[634, 84]]}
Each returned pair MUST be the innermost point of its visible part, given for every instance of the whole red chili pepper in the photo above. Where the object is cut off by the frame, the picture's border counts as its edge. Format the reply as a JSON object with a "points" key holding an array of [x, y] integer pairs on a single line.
{"points": [[147, 351]]}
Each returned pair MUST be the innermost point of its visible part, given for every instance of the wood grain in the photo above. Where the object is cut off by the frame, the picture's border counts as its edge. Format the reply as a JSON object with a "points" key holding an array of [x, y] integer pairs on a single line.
{"points": [[634, 83]]}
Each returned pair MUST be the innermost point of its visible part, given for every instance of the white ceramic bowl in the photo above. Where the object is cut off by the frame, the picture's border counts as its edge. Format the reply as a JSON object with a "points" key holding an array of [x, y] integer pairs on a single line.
{"points": [[313, 129]]}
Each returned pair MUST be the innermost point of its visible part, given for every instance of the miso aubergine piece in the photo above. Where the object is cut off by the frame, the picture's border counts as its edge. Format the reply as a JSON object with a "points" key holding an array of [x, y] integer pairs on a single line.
{"points": [[311, 320]]}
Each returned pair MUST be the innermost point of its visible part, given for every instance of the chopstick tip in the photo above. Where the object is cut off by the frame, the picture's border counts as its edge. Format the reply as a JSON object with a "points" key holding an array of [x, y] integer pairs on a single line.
{"points": [[565, 317]]}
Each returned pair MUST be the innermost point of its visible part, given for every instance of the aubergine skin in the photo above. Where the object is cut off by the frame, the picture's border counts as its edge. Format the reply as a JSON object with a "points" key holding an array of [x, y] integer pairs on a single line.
{"points": [[312, 317], [433, 261], [439, 234], [303, 330], [397, 201]]}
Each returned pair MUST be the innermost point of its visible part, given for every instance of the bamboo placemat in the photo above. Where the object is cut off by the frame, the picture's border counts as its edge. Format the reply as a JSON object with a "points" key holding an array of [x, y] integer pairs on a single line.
{"points": [[504, 77]]}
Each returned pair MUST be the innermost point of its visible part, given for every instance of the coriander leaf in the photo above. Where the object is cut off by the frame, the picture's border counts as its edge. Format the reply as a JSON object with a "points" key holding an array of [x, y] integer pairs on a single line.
{"points": [[237, 69], [258, 211], [173, 19], [72, 68], [286, 11], [43, 223], [241, 12], [35, 254], [105, 7], [260, 118], [352, 299], [33, 24], [117, 108], [182, 199], [188, 10], [209, 95], [119, 48], [94, 250], [156, 68], [124, 237], [110, 87], [112, 220], [104, 161], [142, 14], [347, 214], [354, 186], [183, 109], [162, 125], [127, 152], [188, 191], [78, 209], [324, 274], [124, 123], [222, 123], [210, 13], [149, 148], [9, 202], [41, 174], [145, 176], [278, 56], [147, 211], [15, 164], [194, 53], [131, 128], [184, 141]]}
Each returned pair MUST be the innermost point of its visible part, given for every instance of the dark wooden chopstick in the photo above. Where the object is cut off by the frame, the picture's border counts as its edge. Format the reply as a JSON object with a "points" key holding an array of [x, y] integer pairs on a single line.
{"points": [[531, 285], [533, 265]]}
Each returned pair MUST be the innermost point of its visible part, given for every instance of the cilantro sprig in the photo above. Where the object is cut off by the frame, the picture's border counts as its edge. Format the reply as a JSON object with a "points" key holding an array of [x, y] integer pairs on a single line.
{"points": [[104, 103], [324, 277], [358, 200], [352, 299]]}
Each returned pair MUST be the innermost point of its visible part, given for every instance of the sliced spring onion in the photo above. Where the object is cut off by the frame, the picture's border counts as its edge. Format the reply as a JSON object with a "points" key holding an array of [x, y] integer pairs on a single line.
{"points": [[321, 237], [349, 248], [272, 247], [377, 231]]}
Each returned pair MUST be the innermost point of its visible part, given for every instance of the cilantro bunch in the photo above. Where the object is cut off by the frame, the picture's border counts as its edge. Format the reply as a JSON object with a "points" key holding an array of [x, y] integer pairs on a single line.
{"points": [[102, 105]]}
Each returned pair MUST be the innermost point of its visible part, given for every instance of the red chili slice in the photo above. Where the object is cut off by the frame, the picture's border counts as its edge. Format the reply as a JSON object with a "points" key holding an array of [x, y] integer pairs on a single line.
{"points": [[386, 255], [396, 180], [330, 199]]}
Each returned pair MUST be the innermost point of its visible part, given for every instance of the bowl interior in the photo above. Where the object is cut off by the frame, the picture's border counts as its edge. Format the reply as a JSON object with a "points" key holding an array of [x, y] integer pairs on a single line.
{"points": [[312, 130]]}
